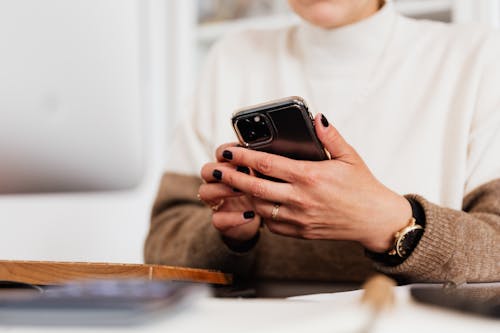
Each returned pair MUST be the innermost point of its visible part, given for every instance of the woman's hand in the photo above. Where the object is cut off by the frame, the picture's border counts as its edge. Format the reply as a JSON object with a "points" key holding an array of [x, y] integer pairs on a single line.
{"points": [[336, 199], [233, 211]]}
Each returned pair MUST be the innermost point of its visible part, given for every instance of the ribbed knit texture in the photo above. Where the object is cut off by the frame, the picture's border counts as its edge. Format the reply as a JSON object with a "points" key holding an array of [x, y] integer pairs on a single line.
{"points": [[457, 246]]}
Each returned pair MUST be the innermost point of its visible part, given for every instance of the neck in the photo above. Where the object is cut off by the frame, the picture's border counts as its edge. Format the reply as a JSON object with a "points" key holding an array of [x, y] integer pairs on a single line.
{"points": [[347, 48]]}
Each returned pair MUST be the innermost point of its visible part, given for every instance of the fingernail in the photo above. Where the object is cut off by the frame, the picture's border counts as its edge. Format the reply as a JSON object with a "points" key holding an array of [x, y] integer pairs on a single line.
{"points": [[324, 121], [217, 174], [243, 169], [227, 155], [249, 214]]}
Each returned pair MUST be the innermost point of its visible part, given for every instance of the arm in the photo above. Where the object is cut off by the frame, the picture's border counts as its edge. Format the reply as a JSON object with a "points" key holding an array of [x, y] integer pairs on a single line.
{"points": [[181, 233], [464, 245], [457, 246], [341, 200]]}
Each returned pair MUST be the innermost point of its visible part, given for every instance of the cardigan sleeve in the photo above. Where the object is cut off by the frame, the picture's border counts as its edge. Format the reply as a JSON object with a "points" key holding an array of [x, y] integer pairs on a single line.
{"points": [[457, 246], [181, 233]]}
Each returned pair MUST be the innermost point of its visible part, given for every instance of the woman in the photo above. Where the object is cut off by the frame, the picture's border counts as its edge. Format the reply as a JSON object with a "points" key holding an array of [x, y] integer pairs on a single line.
{"points": [[414, 139]]}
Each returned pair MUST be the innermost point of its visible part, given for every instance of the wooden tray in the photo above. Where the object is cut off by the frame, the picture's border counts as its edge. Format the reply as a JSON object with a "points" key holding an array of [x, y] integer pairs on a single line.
{"points": [[51, 273]]}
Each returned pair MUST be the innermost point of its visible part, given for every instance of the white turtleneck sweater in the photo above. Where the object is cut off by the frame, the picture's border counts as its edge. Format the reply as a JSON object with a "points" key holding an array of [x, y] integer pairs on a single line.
{"points": [[418, 100]]}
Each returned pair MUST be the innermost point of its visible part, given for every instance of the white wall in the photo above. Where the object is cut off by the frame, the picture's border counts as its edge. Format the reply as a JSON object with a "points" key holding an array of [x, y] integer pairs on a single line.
{"points": [[106, 226], [484, 11]]}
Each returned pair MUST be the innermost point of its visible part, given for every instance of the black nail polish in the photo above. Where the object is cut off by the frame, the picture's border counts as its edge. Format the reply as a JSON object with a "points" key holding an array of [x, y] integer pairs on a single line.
{"points": [[243, 169], [324, 121], [217, 174], [249, 214], [227, 155]]}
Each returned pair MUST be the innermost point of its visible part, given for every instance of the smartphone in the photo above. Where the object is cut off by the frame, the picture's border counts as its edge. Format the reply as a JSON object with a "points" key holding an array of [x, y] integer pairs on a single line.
{"points": [[483, 300], [283, 127], [97, 302]]}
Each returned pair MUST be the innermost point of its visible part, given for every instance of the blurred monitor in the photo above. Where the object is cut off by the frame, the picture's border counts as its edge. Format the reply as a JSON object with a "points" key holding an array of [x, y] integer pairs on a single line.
{"points": [[70, 106]]}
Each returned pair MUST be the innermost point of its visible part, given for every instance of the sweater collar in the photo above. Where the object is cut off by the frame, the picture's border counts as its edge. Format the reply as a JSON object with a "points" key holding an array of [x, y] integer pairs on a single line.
{"points": [[352, 46]]}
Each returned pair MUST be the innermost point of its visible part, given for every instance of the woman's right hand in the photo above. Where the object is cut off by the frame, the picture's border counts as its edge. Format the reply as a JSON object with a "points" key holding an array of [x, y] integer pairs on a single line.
{"points": [[233, 212]]}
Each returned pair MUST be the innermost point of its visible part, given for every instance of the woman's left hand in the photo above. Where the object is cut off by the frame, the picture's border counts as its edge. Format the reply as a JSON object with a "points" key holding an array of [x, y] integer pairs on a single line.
{"points": [[335, 199]]}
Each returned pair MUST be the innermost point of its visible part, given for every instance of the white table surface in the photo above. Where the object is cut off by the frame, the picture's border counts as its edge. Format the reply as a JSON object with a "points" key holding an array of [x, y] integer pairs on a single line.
{"points": [[339, 312]]}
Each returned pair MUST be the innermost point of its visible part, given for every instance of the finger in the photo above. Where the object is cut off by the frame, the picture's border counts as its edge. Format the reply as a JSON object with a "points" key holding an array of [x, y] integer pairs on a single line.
{"points": [[207, 171], [332, 140], [272, 165], [224, 221], [213, 192], [256, 187], [208, 175], [221, 148], [283, 229], [275, 211]]}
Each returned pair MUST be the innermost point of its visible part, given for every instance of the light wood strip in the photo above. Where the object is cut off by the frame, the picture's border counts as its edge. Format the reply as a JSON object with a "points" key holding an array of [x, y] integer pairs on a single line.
{"points": [[51, 273]]}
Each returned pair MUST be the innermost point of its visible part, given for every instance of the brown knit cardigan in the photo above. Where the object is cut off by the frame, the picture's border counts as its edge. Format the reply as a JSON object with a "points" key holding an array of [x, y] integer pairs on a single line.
{"points": [[457, 246]]}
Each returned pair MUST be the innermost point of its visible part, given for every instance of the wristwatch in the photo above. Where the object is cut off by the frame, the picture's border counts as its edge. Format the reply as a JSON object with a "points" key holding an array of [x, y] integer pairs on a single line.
{"points": [[406, 239]]}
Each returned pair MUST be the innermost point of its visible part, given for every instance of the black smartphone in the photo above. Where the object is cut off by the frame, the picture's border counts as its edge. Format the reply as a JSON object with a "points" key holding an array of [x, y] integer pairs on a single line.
{"points": [[283, 127], [483, 300]]}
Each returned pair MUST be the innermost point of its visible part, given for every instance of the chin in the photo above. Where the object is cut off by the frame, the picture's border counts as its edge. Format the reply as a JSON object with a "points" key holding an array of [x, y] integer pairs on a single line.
{"points": [[333, 13], [325, 14]]}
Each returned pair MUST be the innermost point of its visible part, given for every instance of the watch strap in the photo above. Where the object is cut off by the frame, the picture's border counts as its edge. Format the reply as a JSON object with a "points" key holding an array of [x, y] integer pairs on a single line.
{"points": [[417, 211]]}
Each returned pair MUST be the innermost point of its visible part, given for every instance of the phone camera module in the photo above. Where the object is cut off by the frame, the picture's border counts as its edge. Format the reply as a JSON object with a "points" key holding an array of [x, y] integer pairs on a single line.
{"points": [[254, 129]]}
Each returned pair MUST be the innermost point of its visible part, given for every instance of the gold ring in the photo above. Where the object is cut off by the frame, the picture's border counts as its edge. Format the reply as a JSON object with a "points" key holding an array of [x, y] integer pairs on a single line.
{"points": [[275, 212], [217, 205]]}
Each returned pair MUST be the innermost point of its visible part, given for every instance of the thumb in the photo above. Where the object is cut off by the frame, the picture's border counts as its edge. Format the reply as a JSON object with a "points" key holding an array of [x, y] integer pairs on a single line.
{"points": [[332, 140]]}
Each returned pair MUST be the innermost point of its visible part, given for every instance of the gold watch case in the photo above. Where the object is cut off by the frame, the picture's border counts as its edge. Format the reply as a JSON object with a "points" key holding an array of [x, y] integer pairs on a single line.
{"points": [[401, 236]]}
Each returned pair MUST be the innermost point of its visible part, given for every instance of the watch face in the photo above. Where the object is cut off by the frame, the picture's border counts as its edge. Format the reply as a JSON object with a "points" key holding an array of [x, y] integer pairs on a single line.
{"points": [[409, 241]]}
